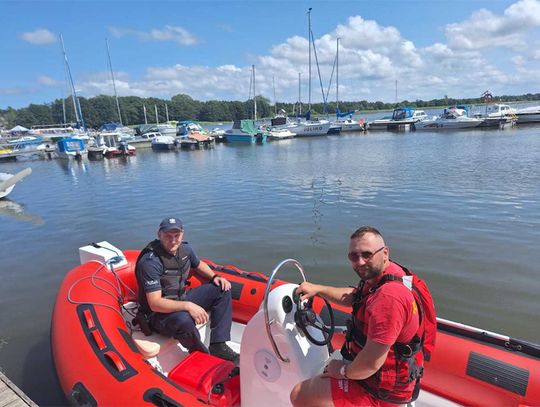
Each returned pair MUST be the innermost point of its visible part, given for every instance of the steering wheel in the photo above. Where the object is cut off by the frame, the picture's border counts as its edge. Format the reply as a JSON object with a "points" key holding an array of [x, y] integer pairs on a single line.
{"points": [[305, 317], [267, 321]]}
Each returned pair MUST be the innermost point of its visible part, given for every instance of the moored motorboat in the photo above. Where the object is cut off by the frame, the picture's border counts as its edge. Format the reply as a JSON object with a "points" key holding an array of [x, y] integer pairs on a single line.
{"points": [[402, 119], [102, 358], [451, 119], [164, 143], [530, 114], [245, 131], [109, 144], [144, 140], [71, 147], [280, 134], [492, 114], [350, 124]]}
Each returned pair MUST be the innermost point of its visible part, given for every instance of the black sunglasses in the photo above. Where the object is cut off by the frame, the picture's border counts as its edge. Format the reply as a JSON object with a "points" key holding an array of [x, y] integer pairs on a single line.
{"points": [[366, 256]]}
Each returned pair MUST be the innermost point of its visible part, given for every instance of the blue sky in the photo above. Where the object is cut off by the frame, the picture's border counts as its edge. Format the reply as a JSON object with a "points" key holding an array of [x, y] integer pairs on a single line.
{"points": [[206, 48]]}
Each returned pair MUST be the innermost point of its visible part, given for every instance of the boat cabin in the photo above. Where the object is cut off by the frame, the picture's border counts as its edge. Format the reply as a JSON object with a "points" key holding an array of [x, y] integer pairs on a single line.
{"points": [[407, 113], [71, 145]]}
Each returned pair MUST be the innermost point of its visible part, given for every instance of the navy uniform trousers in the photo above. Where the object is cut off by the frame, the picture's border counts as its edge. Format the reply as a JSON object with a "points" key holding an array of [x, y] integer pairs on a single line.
{"points": [[181, 326]]}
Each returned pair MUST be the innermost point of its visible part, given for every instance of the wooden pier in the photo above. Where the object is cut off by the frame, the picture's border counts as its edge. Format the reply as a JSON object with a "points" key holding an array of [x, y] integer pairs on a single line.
{"points": [[11, 153], [11, 395]]}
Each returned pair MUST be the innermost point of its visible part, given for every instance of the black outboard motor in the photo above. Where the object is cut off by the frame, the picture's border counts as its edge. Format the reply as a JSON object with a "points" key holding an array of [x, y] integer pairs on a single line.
{"points": [[123, 148]]}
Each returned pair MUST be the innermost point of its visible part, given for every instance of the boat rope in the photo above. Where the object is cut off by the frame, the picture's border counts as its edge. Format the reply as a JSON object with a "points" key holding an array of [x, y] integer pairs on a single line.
{"points": [[331, 79], [117, 292]]}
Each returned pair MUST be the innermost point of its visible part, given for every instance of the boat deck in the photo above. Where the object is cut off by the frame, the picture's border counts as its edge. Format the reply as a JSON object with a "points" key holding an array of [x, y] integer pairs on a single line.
{"points": [[11, 395]]}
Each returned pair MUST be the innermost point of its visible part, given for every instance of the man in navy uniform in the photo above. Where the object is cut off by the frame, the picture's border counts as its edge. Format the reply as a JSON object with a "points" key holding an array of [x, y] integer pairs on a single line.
{"points": [[162, 271]]}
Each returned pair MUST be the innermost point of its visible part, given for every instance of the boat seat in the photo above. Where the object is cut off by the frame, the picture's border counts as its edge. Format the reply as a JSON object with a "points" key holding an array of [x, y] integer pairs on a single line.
{"points": [[150, 346]]}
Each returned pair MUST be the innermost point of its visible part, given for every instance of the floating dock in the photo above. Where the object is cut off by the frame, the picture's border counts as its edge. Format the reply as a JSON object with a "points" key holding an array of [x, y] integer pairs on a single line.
{"points": [[11, 395]]}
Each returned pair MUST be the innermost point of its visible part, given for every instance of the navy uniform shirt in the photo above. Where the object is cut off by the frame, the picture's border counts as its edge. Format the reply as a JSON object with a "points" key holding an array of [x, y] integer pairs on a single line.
{"points": [[151, 268]]}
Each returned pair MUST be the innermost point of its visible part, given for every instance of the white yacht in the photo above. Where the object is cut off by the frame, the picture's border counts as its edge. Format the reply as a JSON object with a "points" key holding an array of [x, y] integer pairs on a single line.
{"points": [[496, 115], [529, 114], [402, 119], [450, 119]]}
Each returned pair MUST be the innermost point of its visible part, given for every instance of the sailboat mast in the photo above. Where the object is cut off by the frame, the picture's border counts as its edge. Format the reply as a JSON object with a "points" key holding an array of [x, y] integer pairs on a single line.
{"points": [[155, 109], [275, 102], [299, 94], [337, 74], [167, 112], [72, 87], [113, 82], [309, 59], [64, 108], [254, 94], [144, 110]]}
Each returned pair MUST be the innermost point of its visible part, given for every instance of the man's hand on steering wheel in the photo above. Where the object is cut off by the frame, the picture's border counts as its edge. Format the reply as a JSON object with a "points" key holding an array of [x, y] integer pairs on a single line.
{"points": [[306, 317], [307, 290]]}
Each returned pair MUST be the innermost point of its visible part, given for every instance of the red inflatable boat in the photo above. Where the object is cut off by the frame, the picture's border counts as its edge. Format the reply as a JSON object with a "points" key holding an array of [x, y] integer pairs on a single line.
{"points": [[102, 358]]}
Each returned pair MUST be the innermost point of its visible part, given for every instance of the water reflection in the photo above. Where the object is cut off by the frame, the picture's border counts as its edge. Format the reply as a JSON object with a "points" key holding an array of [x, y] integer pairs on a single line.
{"points": [[73, 168], [16, 211], [112, 165]]}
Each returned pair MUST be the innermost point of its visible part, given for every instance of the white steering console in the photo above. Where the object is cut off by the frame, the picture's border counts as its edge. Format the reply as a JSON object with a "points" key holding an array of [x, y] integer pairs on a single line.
{"points": [[276, 354]]}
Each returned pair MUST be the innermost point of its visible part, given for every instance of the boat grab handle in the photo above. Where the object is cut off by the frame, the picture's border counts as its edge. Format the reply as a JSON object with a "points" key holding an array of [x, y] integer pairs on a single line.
{"points": [[115, 359]]}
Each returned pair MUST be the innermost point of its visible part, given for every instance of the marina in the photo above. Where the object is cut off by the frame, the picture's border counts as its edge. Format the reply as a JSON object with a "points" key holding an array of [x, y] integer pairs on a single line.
{"points": [[453, 206], [356, 121], [190, 135]]}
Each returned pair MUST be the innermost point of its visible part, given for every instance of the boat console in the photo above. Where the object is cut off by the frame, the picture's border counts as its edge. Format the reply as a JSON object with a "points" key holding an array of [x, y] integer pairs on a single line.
{"points": [[276, 353]]}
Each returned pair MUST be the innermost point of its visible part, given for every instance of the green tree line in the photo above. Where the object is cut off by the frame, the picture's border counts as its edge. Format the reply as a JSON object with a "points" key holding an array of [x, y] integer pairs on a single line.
{"points": [[101, 109]]}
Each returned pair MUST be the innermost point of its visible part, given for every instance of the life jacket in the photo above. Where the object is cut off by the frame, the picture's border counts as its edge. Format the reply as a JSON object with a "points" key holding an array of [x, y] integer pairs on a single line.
{"points": [[398, 379], [175, 272]]}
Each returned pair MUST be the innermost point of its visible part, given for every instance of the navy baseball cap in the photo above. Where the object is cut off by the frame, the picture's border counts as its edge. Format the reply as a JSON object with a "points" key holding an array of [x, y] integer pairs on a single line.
{"points": [[168, 224]]}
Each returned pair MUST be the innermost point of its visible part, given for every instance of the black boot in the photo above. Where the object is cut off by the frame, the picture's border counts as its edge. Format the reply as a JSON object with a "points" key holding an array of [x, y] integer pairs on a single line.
{"points": [[223, 351]]}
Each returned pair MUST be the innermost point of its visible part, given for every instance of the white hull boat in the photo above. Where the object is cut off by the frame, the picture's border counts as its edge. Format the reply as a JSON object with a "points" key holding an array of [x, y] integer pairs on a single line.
{"points": [[402, 119], [445, 123], [528, 115], [164, 143], [280, 134], [350, 125], [8, 181], [310, 128]]}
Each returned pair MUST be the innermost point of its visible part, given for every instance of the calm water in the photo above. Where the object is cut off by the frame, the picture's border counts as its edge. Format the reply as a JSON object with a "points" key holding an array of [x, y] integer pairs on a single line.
{"points": [[461, 209]]}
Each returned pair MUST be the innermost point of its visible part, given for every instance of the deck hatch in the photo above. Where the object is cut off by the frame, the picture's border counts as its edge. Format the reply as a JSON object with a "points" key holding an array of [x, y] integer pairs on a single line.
{"points": [[497, 373]]}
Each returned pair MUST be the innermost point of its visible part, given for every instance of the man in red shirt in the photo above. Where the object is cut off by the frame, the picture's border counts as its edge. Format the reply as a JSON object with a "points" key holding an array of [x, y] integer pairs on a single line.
{"points": [[385, 318]]}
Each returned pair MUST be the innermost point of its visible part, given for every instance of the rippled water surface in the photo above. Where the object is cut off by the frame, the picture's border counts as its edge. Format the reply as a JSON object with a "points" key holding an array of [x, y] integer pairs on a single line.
{"points": [[461, 209]]}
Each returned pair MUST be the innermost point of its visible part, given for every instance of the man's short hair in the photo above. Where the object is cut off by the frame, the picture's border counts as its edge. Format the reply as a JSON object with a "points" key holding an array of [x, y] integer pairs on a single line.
{"points": [[362, 230]]}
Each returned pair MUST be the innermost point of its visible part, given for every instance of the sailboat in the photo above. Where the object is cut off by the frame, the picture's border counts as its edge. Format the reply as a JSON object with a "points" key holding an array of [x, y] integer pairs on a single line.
{"points": [[125, 133], [309, 127], [112, 140], [245, 131], [74, 146]]}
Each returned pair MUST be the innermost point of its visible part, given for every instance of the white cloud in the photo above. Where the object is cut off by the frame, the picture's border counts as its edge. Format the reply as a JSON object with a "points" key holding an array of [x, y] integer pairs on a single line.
{"points": [[487, 30], [40, 36], [168, 33], [13, 91], [48, 81], [475, 57]]}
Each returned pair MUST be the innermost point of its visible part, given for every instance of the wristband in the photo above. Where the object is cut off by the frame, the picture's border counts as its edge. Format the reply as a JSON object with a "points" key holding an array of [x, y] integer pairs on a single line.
{"points": [[343, 371], [214, 277]]}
